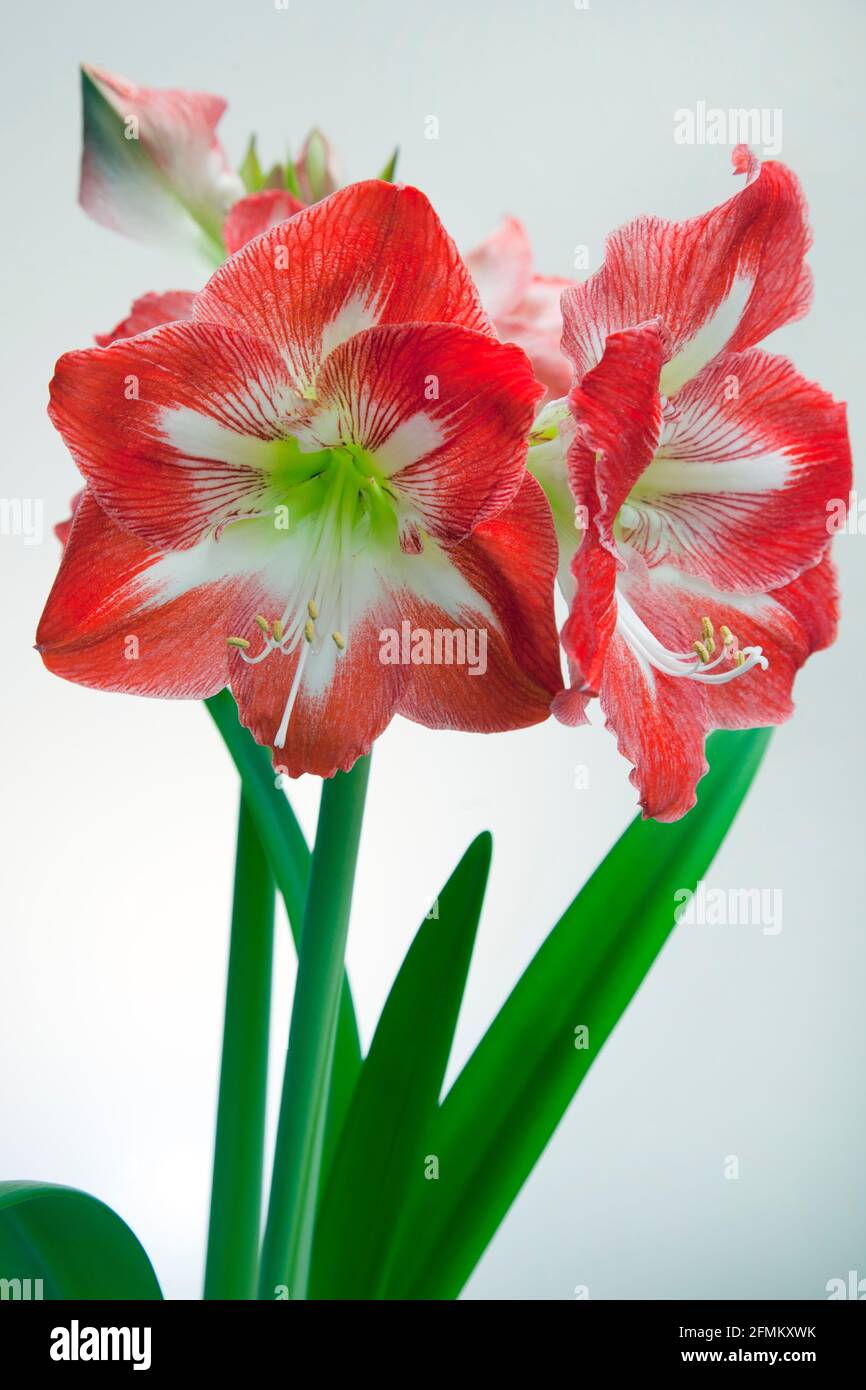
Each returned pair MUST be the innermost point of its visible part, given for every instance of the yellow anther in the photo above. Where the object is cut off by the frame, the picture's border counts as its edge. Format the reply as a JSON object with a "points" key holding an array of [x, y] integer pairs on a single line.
{"points": [[240, 642], [278, 630], [263, 625], [726, 635], [710, 645], [701, 651], [309, 630], [312, 609], [339, 641], [740, 659], [707, 630]]}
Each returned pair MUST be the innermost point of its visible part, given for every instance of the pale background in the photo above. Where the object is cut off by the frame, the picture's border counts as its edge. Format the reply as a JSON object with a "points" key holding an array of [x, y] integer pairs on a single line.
{"points": [[118, 814]]}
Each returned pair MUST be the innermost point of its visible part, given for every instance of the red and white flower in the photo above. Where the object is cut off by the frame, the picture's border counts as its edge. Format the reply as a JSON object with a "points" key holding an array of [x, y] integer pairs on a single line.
{"points": [[332, 445], [524, 306], [700, 470], [152, 166]]}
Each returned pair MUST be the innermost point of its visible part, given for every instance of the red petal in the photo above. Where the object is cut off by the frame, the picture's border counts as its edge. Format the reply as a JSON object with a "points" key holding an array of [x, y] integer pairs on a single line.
{"points": [[618, 413], [330, 728], [444, 412], [372, 253], [221, 397], [63, 528], [112, 588], [789, 624], [592, 619], [510, 562], [150, 311], [660, 727], [660, 720], [258, 213], [684, 272], [738, 491]]}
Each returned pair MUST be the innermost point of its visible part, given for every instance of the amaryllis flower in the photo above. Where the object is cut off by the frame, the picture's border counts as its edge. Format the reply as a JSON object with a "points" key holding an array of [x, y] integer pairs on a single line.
{"points": [[331, 451], [524, 306], [152, 166], [699, 469]]}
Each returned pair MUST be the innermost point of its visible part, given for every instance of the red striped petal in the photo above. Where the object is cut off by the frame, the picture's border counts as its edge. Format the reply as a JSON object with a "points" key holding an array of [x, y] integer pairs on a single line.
{"points": [[114, 621], [724, 279], [149, 311], [444, 412], [173, 430], [739, 490], [258, 213], [372, 253]]}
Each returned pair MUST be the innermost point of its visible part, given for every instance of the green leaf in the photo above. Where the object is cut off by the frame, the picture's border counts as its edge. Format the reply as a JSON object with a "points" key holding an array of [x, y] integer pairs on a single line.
{"points": [[383, 1147], [286, 849], [251, 170], [509, 1099], [75, 1244], [291, 177], [390, 168]]}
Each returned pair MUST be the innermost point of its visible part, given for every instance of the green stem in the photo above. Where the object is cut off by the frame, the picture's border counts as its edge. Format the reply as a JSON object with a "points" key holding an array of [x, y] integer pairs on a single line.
{"points": [[289, 857], [300, 1134], [236, 1197]]}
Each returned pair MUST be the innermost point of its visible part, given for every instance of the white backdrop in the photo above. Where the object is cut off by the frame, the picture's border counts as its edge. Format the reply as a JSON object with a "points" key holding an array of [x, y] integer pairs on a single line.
{"points": [[118, 814]]}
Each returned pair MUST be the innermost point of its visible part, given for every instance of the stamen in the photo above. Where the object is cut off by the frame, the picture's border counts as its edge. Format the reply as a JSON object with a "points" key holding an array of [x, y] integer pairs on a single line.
{"points": [[278, 630], [339, 641], [312, 609], [263, 625], [696, 664], [240, 642], [309, 630], [280, 736], [707, 630], [239, 516]]}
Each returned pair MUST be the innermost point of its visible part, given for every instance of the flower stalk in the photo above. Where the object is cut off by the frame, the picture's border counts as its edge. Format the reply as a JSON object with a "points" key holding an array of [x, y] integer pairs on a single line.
{"points": [[236, 1197], [301, 1131]]}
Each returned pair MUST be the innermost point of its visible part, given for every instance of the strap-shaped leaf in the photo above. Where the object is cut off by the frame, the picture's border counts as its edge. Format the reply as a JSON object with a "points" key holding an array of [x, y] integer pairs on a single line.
{"points": [[382, 1152], [505, 1105], [74, 1244]]}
